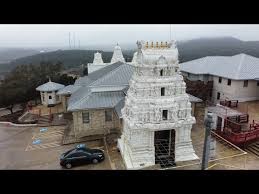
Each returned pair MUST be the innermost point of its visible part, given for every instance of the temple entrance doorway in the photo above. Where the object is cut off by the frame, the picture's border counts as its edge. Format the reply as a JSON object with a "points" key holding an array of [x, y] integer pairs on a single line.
{"points": [[165, 148]]}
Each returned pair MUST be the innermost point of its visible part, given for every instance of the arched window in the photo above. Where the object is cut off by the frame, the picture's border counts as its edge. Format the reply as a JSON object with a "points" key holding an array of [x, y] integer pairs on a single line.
{"points": [[161, 72]]}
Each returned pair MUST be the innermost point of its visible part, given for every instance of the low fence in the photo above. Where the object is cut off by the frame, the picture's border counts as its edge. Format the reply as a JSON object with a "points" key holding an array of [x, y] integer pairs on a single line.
{"points": [[241, 138], [229, 103], [228, 156]]}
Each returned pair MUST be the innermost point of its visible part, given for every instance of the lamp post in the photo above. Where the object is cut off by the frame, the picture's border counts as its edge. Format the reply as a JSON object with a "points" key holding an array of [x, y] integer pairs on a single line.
{"points": [[206, 148]]}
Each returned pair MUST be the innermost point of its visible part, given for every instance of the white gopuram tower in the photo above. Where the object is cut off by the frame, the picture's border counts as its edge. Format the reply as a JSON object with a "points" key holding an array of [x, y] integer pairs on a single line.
{"points": [[157, 112], [97, 63], [98, 58], [134, 59], [117, 55]]}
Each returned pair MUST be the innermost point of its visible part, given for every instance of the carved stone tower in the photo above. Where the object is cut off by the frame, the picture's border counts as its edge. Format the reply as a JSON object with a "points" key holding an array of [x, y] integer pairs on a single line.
{"points": [[117, 55], [98, 58], [157, 112]]}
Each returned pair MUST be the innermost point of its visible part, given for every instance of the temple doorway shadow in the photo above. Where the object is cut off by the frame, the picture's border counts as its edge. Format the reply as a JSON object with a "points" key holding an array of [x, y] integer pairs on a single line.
{"points": [[165, 148]]}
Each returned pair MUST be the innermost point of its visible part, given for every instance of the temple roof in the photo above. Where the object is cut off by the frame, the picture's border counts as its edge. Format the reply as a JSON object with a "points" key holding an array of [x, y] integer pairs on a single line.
{"points": [[91, 77], [70, 89], [92, 100], [84, 98], [50, 86], [237, 67]]}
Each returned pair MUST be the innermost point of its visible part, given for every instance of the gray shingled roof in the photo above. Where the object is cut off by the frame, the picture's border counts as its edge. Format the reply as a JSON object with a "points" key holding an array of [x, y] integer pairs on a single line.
{"points": [[78, 95], [119, 106], [194, 99], [119, 76], [70, 89], [83, 98], [91, 77], [97, 100], [49, 86], [237, 67]]}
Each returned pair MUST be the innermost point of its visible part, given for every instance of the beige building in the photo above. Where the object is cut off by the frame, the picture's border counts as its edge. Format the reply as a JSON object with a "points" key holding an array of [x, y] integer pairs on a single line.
{"points": [[234, 77]]}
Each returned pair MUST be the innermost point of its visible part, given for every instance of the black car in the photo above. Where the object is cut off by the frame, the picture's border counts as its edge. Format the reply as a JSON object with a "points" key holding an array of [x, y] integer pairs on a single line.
{"points": [[81, 155]]}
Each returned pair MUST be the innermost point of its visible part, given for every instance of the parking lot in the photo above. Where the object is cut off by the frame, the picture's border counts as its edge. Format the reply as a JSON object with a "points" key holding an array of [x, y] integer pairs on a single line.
{"points": [[17, 150]]}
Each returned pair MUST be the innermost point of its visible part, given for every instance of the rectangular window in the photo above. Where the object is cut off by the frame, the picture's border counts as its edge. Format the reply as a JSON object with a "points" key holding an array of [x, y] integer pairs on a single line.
{"points": [[86, 117], [162, 91], [257, 83], [164, 116], [210, 93], [50, 97], [108, 115], [218, 96], [245, 83], [229, 82], [220, 79]]}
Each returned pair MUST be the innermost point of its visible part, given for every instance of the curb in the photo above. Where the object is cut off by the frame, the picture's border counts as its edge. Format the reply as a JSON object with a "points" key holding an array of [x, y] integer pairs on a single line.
{"points": [[18, 125]]}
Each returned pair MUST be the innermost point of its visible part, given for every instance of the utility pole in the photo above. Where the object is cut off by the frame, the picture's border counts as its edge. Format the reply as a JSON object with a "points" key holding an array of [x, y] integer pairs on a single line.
{"points": [[206, 148], [170, 33], [69, 43], [74, 41]]}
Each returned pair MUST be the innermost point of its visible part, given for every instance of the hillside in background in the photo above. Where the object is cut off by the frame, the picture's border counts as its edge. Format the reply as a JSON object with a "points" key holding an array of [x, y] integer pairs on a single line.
{"points": [[9, 54], [223, 46], [70, 58], [188, 50]]}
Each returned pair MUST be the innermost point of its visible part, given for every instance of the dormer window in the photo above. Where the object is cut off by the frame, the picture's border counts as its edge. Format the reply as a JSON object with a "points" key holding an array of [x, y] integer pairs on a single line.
{"points": [[161, 72]]}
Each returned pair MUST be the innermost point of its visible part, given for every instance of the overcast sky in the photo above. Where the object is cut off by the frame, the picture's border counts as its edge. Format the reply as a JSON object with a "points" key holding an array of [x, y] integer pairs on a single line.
{"points": [[58, 35]]}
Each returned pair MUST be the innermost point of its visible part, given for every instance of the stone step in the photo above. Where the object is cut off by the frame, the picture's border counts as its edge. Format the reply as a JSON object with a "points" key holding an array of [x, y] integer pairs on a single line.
{"points": [[253, 151]]}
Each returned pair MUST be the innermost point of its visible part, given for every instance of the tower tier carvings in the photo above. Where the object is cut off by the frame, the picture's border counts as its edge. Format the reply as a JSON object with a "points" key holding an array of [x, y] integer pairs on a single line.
{"points": [[156, 101]]}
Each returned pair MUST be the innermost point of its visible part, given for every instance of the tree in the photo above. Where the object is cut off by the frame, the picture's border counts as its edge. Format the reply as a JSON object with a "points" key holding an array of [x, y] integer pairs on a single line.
{"points": [[20, 85]]}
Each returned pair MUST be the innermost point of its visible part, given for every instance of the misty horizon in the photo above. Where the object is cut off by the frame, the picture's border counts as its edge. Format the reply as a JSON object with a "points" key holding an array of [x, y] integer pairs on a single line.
{"points": [[87, 36]]}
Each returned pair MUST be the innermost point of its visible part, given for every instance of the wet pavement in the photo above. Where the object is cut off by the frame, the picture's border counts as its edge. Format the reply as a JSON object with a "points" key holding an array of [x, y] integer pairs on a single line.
{"points": [[234, 160], [18, 152]]}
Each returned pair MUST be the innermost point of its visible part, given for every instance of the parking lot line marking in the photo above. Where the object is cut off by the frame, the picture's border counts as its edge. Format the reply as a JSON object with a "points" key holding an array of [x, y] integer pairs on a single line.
{"points": [[49, 133], [43, 146], [47, 136], [53, 131]]}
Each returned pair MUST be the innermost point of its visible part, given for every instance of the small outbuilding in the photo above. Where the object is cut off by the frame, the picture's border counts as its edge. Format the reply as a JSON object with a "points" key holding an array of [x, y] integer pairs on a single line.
{"points": [[48, 93]]}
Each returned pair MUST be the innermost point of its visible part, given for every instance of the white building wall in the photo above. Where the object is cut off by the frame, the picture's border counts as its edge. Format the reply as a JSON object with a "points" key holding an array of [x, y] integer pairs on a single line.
{"points": [[54, 98], [235, 91]]}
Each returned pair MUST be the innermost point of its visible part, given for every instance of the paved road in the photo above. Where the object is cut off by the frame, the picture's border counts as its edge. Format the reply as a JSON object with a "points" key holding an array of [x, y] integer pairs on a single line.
{"points": [[18, 152]]}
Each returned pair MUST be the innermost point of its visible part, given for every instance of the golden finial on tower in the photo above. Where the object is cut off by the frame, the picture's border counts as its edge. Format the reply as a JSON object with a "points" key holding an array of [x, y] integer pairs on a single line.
{"points": [[152, 45], [147, 44]]}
